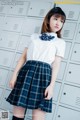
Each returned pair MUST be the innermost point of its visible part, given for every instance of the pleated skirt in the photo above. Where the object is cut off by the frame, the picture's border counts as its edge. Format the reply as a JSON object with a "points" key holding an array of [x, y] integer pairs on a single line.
{"points": [[32, 80]]}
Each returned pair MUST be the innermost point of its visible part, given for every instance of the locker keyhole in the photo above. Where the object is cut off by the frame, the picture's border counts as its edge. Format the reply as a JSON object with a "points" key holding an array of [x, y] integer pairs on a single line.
{"points": [[69, 72], [64, 93], [58, 115], [75, 51]]}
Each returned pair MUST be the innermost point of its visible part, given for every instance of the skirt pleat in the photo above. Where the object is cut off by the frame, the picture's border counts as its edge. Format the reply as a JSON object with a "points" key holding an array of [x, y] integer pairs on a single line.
{"points": [[32, 80]]}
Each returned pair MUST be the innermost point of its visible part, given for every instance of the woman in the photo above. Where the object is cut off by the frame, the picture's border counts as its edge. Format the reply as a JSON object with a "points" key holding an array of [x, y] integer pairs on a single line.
{"points": [[32, 83]]}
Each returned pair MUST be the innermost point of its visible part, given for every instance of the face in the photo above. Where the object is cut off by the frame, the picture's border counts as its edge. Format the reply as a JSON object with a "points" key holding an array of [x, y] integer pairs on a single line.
{"points": [[56, 23]]}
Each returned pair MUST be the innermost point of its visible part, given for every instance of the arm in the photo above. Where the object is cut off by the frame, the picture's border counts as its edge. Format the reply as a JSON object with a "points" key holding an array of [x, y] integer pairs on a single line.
{"points": [[21, 61], [55, 69]]}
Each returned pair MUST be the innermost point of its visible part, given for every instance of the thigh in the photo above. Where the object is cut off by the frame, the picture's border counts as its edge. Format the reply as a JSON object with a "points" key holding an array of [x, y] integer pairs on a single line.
{"points": [[38, 114]]}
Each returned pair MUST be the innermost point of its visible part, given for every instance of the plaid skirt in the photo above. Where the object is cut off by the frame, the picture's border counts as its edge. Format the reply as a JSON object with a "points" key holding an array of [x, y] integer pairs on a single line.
{"points": [[32, 80]]}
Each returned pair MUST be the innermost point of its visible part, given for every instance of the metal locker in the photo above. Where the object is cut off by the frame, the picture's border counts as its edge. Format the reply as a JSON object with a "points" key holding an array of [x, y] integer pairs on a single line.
{"points": [[16, 60], [49, 116], [67, 51], [23, 42], [3, 9], [70, 96], [61, 71], [18, 8], [76, 53], [73, 71], [78, 34], [5, 104], [31, 26], [3, 76], [1, 90], [13, 24], [56, 91], [6, 58], [10, 39], [69, 30], [1, 21], [40, 10], [67, 114], [71, 10]]}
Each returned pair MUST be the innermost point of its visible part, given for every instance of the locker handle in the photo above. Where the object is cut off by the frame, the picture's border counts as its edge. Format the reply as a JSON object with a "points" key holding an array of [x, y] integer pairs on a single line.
{"points": [[59, 116]]}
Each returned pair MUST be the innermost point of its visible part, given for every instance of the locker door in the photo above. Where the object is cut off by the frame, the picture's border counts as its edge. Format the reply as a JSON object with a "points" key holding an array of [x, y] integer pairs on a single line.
{"points": [[49, 116], [31, 26], [67, 114], [67, 51], [40, 10], [1, 21], [5, 104], [3, 76], [61, 71], [76, 53], [6, 58], [71, 96], [78, 34], [69, 30], [1, 90], [56, 91], [18, 8], [10, 39], [16, 60], [71, 10], [24, 42], [13, 24], [3, 9], [73, 71]]}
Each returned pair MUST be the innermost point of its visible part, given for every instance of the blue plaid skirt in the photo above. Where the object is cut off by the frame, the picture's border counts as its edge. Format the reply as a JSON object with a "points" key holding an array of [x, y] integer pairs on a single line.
{"points": [[32, 80]]}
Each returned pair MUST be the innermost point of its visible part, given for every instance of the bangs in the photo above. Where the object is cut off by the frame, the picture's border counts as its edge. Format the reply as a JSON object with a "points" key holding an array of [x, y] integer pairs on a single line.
{"points": [[60, 16]]}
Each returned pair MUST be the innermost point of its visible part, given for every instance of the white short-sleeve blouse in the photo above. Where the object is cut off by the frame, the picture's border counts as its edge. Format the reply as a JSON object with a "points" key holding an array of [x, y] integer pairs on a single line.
{"points": [[45, 51]]}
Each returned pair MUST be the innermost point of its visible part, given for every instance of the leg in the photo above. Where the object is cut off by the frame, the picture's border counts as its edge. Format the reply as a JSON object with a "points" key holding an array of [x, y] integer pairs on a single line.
{"points": [[18, 111], [38, 114]]}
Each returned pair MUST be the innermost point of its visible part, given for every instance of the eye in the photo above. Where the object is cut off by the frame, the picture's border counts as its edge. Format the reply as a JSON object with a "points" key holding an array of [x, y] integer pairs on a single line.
{"points": [[62, 21]]}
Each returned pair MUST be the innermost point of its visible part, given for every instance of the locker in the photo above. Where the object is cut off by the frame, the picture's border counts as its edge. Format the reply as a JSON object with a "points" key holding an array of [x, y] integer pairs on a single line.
{"points": [[40, 10], [1, 21], [23, 42], [78, 34], [3, 9], [16, 60], [13, 24], [49, 116], [69, 30], [76, 53], [3, 76], [6, 58], [67, 114], [5, 104], [1, 90], [73, 71], [61, 71], [18, 8], [56, 91], [31, 26], [71, 10], [67, 51], [71, 96], [10, 39]]}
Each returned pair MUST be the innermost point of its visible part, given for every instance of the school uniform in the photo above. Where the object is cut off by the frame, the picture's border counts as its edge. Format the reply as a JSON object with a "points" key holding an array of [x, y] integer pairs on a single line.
{"points": [[35, 75]]}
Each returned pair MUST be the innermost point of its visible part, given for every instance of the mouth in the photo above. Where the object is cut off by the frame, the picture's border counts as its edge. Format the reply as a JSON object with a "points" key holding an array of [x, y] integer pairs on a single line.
{"points": [[57, 27]]}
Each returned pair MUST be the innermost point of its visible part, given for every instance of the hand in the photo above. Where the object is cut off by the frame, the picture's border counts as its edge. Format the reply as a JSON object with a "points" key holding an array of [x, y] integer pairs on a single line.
{"points": [[12, 81], [48, 92]]}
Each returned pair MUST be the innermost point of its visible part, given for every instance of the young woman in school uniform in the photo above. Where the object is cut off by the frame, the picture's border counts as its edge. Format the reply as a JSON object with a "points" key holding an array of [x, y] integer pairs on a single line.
{"points": [[34, 77]]}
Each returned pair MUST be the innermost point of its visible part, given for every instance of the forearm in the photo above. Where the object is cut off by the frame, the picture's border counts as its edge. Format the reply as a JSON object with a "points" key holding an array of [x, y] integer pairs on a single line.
{"points": [[55, 70], [18, 66]]}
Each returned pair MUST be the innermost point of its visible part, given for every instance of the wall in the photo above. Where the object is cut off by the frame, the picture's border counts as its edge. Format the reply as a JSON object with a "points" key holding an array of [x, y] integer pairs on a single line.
{"points": [[18, 20]]}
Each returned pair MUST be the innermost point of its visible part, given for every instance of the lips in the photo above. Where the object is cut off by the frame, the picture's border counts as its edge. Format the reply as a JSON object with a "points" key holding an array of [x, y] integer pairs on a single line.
{"points": [[57, 27]]}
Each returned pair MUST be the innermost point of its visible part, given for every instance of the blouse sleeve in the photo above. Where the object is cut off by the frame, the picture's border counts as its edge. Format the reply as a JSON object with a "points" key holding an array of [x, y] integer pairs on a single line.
{"points": [[61, 48]]}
